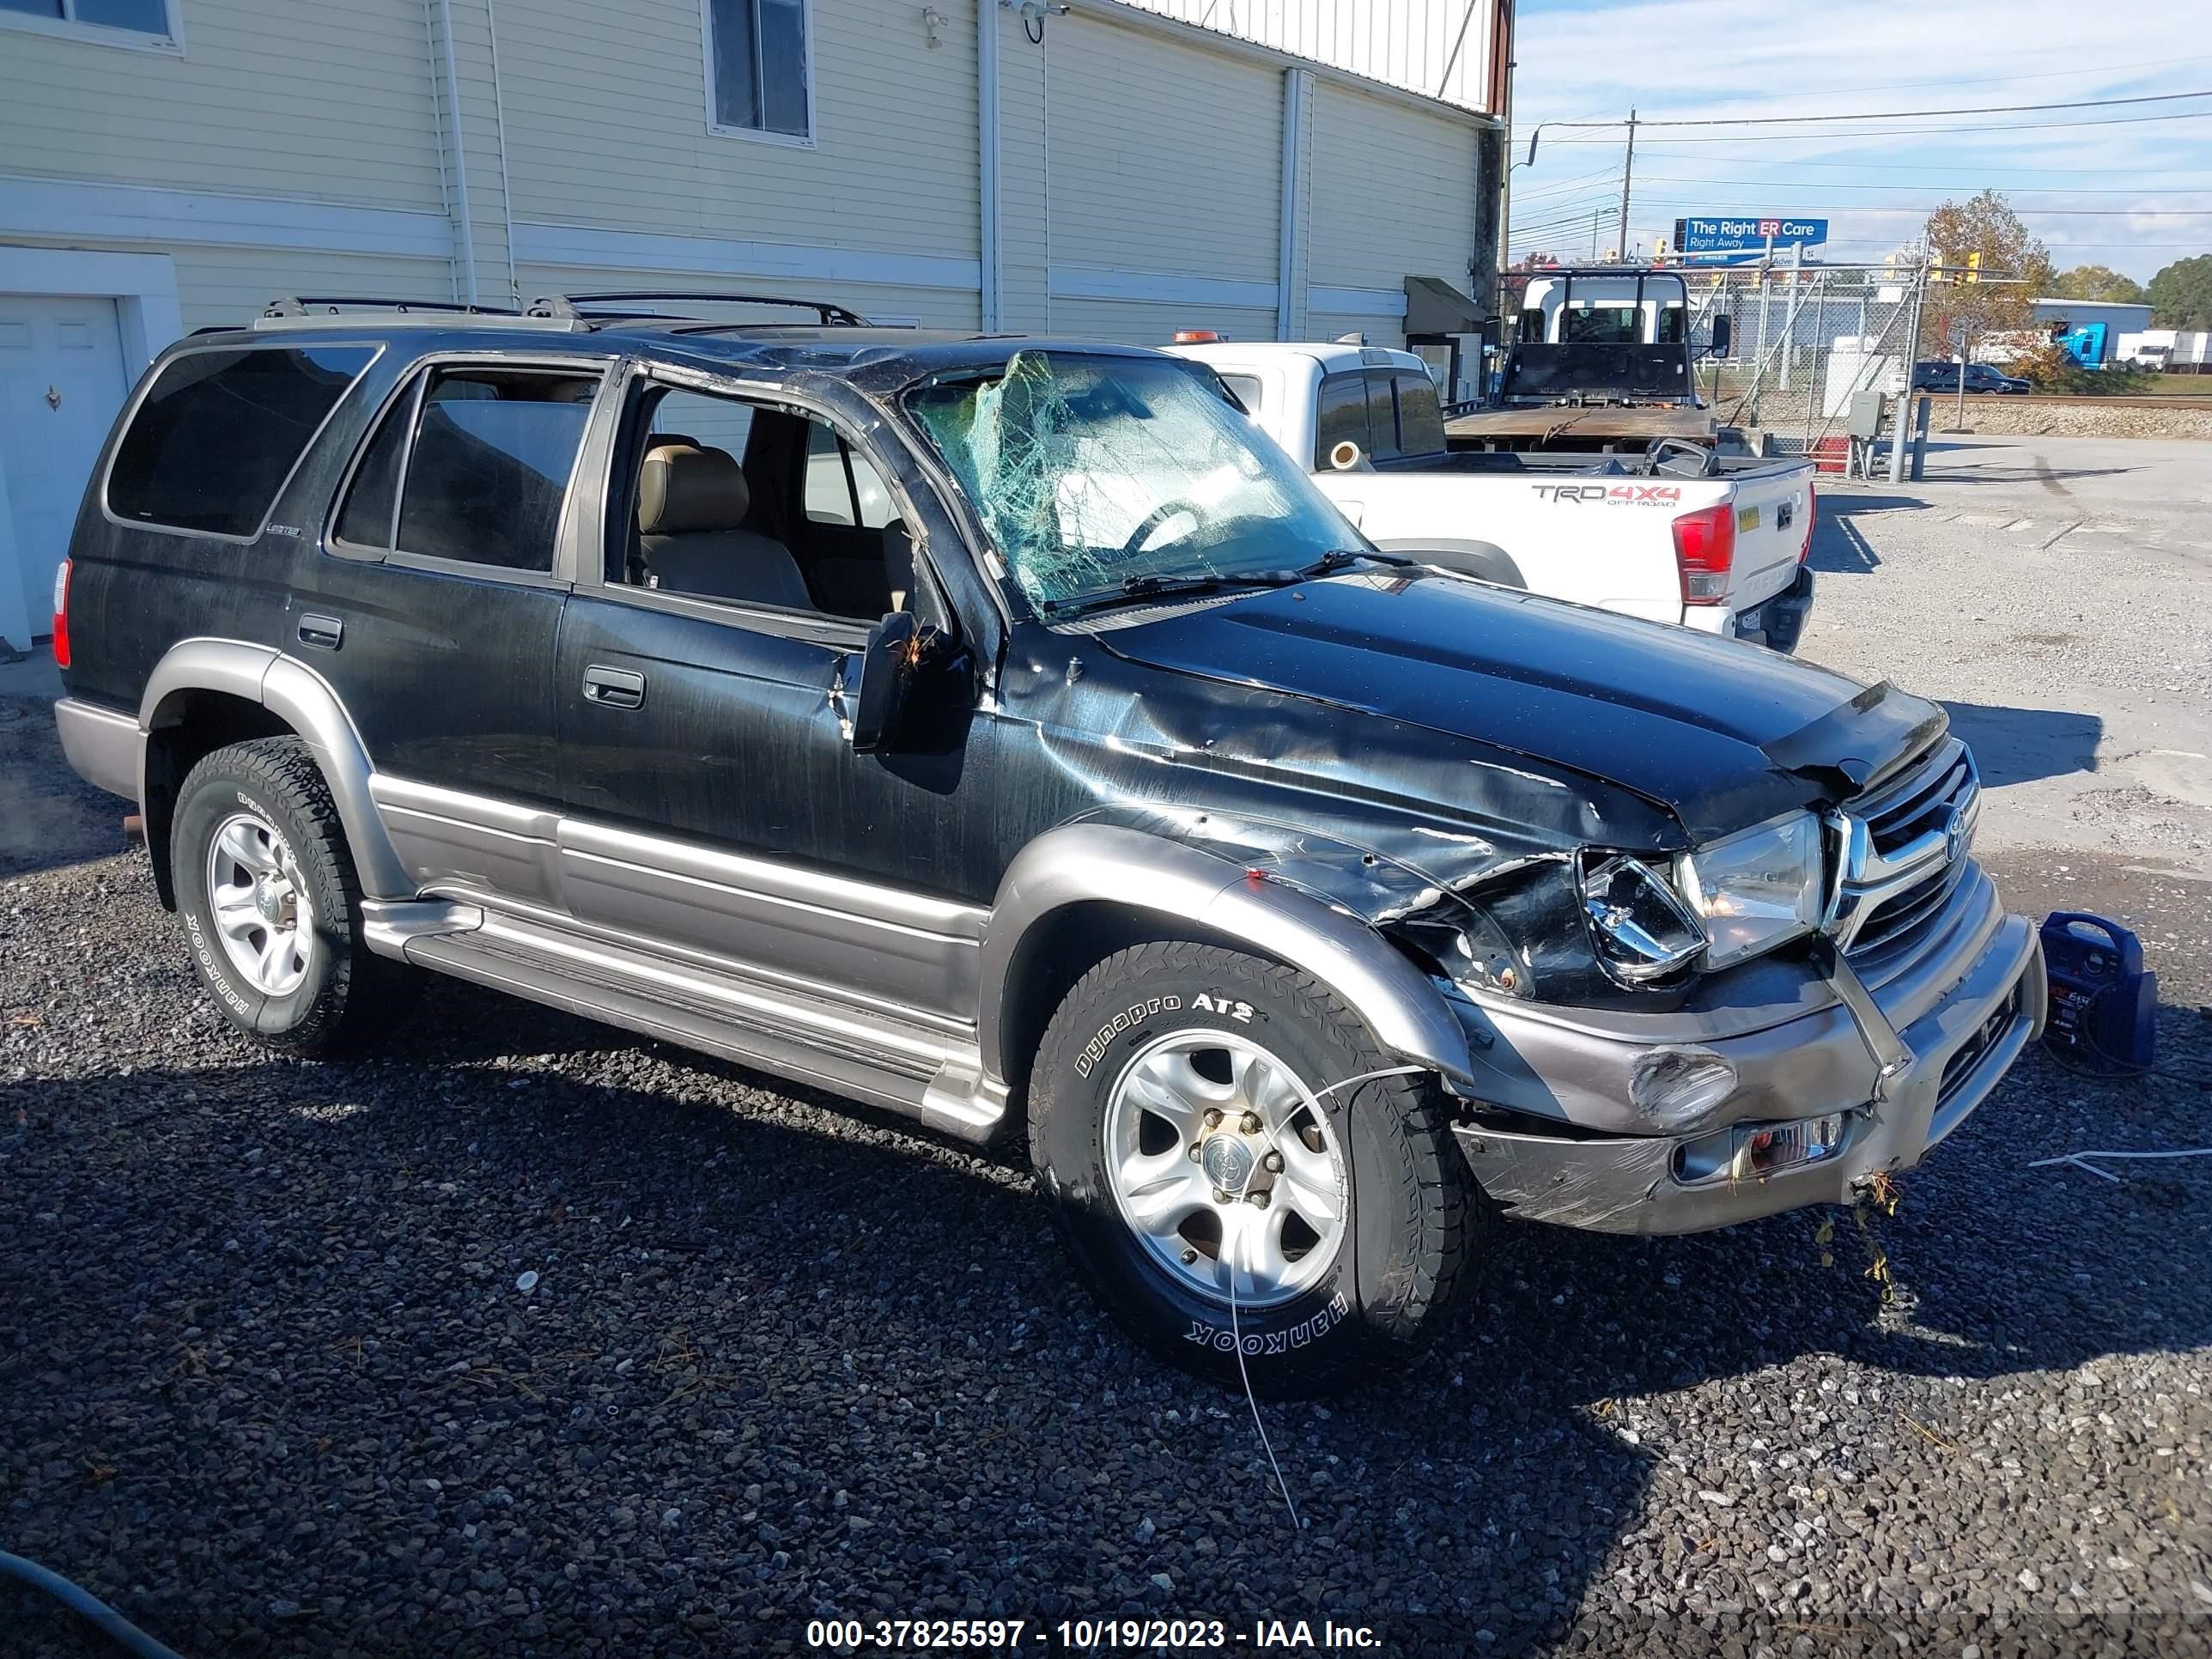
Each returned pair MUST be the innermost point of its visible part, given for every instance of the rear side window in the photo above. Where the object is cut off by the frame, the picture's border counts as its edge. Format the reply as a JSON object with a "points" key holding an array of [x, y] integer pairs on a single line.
{"points": [[1340, 417], [1420, 415], [472, 466], [219, 432]]}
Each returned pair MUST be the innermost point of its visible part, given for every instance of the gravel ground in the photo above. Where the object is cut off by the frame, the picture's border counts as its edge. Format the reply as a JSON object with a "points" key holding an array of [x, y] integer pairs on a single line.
{"points": [[274, 1380]]}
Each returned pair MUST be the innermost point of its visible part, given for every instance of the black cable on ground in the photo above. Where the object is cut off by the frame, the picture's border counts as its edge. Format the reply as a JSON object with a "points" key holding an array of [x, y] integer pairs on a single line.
{"points": [[82, 1601]]}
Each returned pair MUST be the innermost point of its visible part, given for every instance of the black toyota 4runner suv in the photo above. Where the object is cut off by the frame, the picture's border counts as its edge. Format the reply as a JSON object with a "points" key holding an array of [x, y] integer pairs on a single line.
{"points": [[1004, 732]]}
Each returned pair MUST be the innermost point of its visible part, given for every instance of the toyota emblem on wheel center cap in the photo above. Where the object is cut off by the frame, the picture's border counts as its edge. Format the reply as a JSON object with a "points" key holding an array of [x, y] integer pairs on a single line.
{"points": [[1228, 1162]]}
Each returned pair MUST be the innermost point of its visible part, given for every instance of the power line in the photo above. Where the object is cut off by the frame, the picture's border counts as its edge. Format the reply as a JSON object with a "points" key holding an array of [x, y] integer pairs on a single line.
{"points": [[1890, 114], [1922, 207], [1974, 81], [2009, 190], [1903, 132]]}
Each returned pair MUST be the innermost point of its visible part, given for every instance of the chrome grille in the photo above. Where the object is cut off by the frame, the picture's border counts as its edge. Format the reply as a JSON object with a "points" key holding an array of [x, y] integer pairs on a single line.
{"points": [[1905, 845]]}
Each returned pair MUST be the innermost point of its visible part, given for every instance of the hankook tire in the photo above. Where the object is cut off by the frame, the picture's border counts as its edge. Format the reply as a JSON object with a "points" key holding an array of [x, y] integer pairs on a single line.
{"points": [[271, 903], [1196, 1124]]}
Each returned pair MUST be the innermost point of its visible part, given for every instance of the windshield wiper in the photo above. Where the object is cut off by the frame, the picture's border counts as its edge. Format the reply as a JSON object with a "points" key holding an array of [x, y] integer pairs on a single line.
{"points": [[1342, 556]]}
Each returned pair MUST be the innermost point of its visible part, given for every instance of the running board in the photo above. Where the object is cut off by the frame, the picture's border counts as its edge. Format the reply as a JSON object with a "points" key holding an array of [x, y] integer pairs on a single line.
{"points": [[903, 1065]]}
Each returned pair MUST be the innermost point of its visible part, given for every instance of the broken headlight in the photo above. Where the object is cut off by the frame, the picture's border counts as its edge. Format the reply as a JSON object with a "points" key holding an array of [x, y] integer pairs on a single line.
{"points": [[1641, 930], [1756, 889]]}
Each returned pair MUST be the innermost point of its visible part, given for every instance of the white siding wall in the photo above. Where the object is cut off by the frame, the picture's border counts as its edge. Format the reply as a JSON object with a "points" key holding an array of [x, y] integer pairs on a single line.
{"points": [[1419, 172], [295, 147], [331, 103], [1162, 159], [606, 125]]}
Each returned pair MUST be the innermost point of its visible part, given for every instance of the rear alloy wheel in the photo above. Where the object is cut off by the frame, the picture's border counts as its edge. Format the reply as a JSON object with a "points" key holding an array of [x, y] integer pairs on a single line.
{"points": [[270, 903], [1252, 1185]]}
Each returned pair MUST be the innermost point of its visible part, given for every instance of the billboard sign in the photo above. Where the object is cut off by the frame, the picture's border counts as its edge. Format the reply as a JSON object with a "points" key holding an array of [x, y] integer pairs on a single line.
{"points": [[1729, 240]]}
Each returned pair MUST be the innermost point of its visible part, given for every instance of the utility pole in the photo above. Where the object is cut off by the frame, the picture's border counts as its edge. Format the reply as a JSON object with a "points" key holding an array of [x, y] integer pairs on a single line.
{"points": [[1627, 173]]}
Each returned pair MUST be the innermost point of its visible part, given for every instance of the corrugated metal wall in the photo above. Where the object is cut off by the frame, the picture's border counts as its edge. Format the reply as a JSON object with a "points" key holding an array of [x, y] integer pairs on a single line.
{"points": [[1442, 48]]}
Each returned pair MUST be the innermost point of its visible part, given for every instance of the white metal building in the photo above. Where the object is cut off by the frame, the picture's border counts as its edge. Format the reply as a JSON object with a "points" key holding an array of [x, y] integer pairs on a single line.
{"points": [[1096, 168]]}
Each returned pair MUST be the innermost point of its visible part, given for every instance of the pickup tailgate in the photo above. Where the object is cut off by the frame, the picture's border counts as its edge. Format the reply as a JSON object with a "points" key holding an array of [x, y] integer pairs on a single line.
{"points": [[1773, 516]]}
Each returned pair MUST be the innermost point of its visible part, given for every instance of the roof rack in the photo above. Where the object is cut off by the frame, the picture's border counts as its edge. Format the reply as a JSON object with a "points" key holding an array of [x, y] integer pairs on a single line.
{"points": [[830, 314], [316, 311]]}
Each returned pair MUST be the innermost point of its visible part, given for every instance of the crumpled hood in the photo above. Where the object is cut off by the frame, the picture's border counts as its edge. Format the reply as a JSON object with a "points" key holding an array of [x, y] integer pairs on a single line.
{"points": [[1724, 733]]}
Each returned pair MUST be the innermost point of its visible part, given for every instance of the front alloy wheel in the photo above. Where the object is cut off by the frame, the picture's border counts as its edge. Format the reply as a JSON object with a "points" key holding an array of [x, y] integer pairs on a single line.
{"points": [[1224, 1166], [1253, 1185]]}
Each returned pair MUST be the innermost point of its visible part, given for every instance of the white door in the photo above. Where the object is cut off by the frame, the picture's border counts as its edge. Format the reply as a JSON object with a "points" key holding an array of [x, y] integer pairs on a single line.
{"points": [[61, 383]]}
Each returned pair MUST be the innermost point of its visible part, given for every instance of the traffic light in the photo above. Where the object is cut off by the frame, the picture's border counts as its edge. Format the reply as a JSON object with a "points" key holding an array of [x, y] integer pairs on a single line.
{"points": [[1974, 266]]}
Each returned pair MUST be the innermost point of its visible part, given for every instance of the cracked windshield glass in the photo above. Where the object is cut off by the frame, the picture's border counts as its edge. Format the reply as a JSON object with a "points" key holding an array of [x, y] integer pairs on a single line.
{"points": [[1100, 478]]}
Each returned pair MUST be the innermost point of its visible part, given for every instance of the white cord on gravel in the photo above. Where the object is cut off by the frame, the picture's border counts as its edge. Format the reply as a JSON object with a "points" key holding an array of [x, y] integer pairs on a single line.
{"points": [[1236, 1332], [2081, 1161]]}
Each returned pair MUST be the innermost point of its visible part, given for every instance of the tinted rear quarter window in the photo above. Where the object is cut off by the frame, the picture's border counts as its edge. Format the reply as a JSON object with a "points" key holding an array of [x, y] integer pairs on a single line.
{"points": [[219, 432], [486, 473], [1420, 415], [1339, 416]]}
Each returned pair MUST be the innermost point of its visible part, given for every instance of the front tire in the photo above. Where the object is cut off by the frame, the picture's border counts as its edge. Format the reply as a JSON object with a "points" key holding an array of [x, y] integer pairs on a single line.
{"points": [[272, 904], [1219, 1189]]}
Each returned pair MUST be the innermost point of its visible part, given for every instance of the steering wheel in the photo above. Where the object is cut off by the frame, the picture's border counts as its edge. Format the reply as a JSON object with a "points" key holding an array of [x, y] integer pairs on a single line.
{"points": [[1158, 516]]}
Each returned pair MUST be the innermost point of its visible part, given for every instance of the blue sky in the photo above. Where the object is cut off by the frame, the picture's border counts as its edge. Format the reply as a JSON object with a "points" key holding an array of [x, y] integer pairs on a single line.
{"points": [[2103, 186]]}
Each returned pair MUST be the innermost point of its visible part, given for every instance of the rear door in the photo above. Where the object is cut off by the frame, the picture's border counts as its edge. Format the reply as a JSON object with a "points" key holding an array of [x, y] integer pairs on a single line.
{"points": [[436, 607]]}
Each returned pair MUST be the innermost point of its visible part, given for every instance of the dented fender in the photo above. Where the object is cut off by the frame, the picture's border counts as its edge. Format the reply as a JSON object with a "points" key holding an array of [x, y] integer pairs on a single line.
{"points": [[1083, 862]]}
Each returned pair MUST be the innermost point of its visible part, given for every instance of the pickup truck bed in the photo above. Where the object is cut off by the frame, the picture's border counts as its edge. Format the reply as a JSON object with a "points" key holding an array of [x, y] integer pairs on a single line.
{"points": [[1695, 535]]}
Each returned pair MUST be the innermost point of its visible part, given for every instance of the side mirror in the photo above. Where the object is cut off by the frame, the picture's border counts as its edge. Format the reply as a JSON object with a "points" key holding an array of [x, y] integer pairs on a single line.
{"points": [[1719, 347], [887, 668]]}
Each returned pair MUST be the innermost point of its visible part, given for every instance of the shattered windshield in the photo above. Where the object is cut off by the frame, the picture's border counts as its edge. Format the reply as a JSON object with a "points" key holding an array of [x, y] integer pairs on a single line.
{"points": [[1097, 477]]}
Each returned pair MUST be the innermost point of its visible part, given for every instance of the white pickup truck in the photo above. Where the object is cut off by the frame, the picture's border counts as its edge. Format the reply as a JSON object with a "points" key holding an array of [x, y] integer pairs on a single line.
{"points": [[1685, 533]]}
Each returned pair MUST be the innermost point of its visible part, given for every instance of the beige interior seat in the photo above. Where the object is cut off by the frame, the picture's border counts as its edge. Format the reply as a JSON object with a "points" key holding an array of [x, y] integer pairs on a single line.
{"points": [[690, 503]]}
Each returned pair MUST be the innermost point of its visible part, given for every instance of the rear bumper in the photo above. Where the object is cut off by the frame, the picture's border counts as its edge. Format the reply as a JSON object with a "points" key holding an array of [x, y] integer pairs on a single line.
{"points": [[1960, 1043], [1779, 622], [102, 746]]}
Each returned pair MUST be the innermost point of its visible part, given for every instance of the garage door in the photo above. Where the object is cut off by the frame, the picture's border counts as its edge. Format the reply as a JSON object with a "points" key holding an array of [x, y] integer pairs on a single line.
{"points": [[61, 383]]}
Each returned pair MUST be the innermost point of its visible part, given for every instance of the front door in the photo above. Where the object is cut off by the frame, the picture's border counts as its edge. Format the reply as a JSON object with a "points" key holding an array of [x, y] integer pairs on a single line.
{"points": [[713, 798], [61, 383]]}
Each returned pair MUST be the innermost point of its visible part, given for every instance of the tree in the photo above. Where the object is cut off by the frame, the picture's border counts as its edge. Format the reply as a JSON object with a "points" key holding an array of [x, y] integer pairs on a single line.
{"points": [[2182, 294], [2097, 283], [2011, 270]]}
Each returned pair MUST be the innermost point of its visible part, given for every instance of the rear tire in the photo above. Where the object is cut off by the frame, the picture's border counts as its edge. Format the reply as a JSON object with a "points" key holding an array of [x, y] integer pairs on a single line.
{"points": [[1345, 1262], [272, 904]]}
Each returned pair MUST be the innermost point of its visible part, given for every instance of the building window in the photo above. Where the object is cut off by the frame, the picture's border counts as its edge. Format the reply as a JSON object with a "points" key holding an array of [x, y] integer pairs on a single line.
{"points": [[758, 79], [117, 22]]}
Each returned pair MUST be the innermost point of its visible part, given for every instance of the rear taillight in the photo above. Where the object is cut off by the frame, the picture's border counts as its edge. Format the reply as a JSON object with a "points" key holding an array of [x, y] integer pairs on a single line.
{"points": [[1805, 552], [61, 614], [1704, 550]]}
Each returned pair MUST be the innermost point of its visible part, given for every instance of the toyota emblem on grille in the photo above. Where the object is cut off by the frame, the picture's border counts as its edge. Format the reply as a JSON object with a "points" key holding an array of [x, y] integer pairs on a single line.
{"points": [[1955, 835]]}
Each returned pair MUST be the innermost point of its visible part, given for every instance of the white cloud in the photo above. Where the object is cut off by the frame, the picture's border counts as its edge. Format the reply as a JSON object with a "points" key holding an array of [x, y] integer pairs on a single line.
{"points": [[1583, 59]]}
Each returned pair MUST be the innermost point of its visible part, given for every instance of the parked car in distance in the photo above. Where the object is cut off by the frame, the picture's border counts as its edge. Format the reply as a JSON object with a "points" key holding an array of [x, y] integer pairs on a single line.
{"points": [[1980, 378], [1683, 534], [1304, 907]]}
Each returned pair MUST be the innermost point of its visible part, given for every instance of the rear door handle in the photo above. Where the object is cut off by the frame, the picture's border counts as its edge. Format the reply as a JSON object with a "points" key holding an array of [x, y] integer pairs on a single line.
{"points": [[327, 633], [614, 688]]}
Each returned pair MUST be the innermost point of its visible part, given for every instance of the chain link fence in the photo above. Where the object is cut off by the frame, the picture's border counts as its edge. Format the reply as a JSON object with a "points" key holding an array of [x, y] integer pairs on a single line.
{"points": [[1802, 343]]}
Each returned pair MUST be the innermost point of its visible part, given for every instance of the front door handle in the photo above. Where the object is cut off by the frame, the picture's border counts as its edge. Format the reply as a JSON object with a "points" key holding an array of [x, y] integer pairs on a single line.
{"points": [[614, 688], [325, 633]]}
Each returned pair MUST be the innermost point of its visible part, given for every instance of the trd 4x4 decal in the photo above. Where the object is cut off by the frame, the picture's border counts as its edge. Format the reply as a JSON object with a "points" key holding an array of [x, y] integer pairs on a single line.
{"points": [[1641, 494]]}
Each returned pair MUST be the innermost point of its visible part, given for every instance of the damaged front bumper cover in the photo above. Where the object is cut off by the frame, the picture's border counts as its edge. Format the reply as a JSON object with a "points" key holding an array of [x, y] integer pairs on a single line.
{"points": [[1891, 1077]]}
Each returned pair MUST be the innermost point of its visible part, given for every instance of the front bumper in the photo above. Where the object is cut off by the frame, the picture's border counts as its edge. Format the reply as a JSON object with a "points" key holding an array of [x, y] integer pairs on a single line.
{"points": [[1964, 1011]]}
